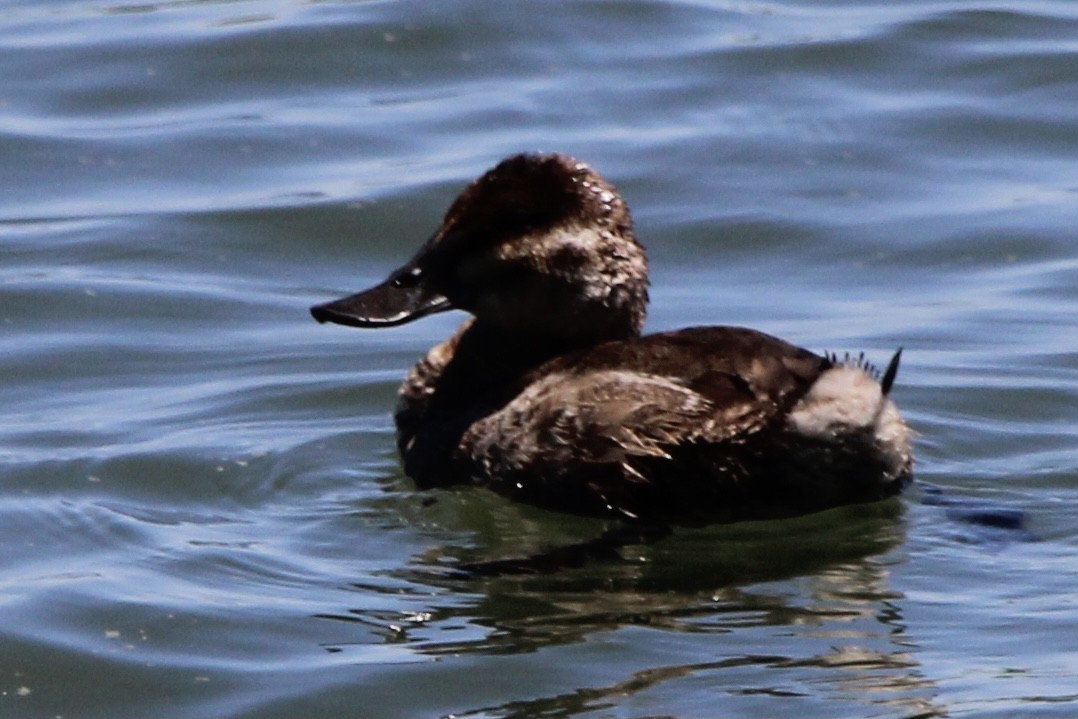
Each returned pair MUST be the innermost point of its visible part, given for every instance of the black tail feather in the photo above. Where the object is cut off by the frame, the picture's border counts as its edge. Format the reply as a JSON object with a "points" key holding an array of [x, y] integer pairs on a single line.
{"points": [[888, 378], [891, 372]]}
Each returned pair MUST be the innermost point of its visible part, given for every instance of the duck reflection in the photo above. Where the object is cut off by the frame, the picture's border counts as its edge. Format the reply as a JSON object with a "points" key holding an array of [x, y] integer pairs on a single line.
{"points": [[741, 615]]}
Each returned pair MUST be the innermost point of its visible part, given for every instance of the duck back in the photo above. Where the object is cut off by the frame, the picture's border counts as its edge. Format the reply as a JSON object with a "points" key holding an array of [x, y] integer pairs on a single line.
{"points": [[691, 426]]}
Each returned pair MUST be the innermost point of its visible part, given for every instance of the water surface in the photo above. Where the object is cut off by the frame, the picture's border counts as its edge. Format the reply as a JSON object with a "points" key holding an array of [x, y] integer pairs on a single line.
{"points": [[201, 509]]}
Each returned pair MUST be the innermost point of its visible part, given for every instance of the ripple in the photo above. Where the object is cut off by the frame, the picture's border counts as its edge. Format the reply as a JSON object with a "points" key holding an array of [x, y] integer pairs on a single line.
{"points": [[201, 507]]}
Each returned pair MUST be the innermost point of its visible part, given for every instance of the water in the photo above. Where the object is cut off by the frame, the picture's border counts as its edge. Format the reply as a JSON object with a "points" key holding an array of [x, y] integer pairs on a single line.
{"points": [[201, 511]]}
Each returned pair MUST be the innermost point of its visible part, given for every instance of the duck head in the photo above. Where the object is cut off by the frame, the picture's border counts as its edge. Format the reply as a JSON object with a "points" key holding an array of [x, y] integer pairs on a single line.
{"points": [[539, 245]]}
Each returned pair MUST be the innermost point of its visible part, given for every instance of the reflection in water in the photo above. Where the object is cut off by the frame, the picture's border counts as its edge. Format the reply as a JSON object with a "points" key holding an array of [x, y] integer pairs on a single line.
{"points": [[799, 608]]}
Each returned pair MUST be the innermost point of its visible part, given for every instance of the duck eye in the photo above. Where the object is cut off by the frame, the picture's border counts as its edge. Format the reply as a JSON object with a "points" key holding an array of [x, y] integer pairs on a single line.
{"points": [[408, 278]]}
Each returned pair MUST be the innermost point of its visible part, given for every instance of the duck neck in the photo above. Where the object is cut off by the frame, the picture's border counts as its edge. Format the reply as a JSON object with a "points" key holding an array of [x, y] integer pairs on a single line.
{"points": [[501, 355], [473, 373]]}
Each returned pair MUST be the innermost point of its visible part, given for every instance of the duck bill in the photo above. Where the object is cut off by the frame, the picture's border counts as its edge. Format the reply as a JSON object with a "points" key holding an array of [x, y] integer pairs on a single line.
{"points": [[386, 305]]}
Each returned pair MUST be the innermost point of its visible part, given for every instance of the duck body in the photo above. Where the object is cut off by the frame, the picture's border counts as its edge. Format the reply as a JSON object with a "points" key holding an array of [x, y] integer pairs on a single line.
{"points": [[550, 395]]}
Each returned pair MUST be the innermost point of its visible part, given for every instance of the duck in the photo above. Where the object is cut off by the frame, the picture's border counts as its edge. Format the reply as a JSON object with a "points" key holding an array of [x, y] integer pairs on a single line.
{"points": [[551, 395]]}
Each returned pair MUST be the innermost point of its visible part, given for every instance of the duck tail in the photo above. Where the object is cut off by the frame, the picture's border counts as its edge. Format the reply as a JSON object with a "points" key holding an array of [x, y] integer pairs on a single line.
{"points": [[889, 375], [859, 361]]}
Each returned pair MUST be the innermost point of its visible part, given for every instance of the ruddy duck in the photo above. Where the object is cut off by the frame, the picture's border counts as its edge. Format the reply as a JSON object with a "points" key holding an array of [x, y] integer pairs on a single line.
{"points": [[550, 395]]}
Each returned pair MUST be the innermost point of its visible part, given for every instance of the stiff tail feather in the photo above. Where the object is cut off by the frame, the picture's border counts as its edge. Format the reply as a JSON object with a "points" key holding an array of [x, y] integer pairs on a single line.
{"points": [[890, 373], [886, 381]]}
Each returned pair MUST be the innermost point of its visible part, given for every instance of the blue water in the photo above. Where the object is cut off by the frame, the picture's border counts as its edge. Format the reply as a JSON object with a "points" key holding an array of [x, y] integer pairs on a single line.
{"points": [[201, 509]]}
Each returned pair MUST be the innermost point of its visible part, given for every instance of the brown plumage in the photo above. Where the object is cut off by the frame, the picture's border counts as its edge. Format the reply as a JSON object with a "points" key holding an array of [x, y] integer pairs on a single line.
{"points": [[551, 396]]}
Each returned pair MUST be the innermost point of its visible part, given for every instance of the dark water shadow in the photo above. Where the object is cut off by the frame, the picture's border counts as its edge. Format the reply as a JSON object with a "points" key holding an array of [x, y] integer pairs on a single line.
{"points": [[809, 581], [977, 520], [630, 575]]}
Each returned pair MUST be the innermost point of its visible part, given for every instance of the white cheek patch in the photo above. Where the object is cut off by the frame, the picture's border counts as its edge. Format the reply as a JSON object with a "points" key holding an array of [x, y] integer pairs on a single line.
{"points": [[591, 280]]}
